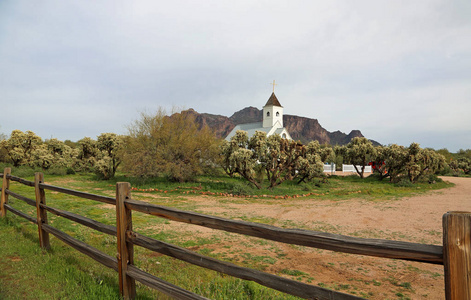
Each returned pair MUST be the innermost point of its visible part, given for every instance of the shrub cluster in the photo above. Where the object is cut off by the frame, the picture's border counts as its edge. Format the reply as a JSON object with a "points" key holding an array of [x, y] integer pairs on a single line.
{"points": [[401, 164], [28, 149], [172, 146], [177, 148], [274, 157]]}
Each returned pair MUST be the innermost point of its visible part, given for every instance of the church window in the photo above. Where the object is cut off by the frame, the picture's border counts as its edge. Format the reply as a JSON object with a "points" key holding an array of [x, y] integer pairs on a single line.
{"points": [[277, 113], [284, 135], [268, 113]]}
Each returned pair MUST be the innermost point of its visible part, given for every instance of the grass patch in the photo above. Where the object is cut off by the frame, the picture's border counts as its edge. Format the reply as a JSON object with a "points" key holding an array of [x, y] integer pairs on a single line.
{"points": [[64, 273], [336, 187]]}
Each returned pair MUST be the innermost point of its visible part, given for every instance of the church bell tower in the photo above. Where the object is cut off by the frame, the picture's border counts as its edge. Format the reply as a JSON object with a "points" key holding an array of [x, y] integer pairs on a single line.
{"points": [[273, 113]]}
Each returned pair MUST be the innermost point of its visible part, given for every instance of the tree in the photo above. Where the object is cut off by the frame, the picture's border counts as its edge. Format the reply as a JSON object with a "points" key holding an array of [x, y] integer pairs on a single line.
{"points": [[311, 164], [412, 162], [227, 148], [52, 153], [447, 154], [3, 151], [87, 154], [42, 157], [246, 166], [394, 158], [238, 158], [169, 145], [464, 153], [462, 164], [277, 158], [108, 157], [421, 162], [20, 146], [359, 152], [378, 164]]}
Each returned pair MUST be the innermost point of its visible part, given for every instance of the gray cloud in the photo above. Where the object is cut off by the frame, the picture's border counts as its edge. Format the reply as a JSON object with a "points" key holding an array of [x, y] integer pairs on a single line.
{"points": [[398, 71]]}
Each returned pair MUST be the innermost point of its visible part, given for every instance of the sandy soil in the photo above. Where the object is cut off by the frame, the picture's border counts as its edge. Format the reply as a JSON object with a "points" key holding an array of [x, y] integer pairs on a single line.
{"points": [[414, 219]]}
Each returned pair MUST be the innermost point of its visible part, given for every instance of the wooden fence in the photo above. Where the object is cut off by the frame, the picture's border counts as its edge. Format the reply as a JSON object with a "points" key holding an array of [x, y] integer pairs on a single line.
{"points": [[455, 254]]}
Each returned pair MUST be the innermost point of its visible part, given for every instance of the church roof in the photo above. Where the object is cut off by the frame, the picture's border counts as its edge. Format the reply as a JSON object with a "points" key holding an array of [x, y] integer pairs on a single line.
{"points": [[273, 101], [251, 128]]}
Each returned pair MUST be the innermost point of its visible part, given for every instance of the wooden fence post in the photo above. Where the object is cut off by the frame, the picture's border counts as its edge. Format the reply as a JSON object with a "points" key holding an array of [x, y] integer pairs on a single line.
{"points": [[127, 285], [457, 255], [5, 187], [41, 212]]}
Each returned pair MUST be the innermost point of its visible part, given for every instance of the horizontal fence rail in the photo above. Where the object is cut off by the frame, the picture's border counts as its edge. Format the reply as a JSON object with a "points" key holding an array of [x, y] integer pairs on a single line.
{"points": [[108, 229], [281, 284], [21, 214], [161, 285], [88, 250], [314, 239], [20, 180], [127, 238], [22, 198], [104, 199]]}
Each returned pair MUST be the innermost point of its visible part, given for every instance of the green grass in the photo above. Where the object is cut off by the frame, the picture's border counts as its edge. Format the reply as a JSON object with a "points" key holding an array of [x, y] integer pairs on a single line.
{"points": [[335, 188], [63, 273]]}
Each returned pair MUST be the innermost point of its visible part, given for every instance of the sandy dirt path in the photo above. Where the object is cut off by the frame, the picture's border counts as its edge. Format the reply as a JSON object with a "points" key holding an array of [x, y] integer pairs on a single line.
{"points": [[414, 219]]}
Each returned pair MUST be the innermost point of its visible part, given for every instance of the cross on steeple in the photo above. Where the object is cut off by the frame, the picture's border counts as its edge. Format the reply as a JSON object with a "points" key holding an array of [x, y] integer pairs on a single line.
{"points": [[273, 85]]}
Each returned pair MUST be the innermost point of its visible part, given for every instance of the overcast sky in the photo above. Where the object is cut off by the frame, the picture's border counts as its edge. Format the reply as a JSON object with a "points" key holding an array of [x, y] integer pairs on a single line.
{"points": [[399, 71]]}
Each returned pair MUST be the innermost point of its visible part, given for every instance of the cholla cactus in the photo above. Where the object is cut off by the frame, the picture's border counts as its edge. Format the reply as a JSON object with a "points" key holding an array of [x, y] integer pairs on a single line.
{"points": [[462, 164], [109, 145], [279, 159], [360, 151], [104, 166], [412, 162], [87, 152], [422, 162], [243, 161], [20, 146], [42, 157]]}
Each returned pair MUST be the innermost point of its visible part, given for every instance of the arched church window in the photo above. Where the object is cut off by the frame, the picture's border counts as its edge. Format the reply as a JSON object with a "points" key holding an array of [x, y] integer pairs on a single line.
{"points": [[268, 113], [277, 113], [284, 135]]}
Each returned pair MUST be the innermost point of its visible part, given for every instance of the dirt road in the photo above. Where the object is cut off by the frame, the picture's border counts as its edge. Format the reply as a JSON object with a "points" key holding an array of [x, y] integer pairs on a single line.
{"points": [[414, 219]]}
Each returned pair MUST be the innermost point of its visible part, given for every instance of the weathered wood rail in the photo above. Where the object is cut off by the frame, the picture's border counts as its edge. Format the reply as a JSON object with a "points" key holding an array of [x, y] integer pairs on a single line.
{"points": [[455, 254]]}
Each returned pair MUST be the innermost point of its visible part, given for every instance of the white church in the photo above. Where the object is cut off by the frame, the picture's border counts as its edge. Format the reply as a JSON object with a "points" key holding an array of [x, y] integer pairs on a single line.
{"points": [[272, 121]]}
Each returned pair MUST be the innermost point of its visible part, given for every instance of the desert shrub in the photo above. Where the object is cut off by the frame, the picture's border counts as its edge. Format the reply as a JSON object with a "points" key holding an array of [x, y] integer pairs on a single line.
{"points": [[433, 178], [306, 187], [172, 146], [461, 164], [239, 188], [20, 146], [359, 152], [414, 162], [272, 157], [446, 171], [404, 182], [376, 176], [25, 171], [86, 155], [108, 155], [56, 171]]}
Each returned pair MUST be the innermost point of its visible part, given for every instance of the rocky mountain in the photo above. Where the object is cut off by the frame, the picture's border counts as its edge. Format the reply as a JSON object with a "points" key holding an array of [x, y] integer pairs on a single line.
{"points": [[300, 128]]}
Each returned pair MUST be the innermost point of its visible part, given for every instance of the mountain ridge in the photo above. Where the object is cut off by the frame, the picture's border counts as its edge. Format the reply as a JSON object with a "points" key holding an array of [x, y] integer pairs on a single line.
{"points": [[300, 128]]}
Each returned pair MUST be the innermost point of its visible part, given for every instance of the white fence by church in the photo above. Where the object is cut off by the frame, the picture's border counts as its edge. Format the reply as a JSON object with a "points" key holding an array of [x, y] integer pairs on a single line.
{"points": [[351, 168], [345, 168], [329, 168]]}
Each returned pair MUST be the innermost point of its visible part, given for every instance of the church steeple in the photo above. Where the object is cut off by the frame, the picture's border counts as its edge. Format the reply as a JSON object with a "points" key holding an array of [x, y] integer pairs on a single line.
{"points": [[273, 113], [273, 101]]}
